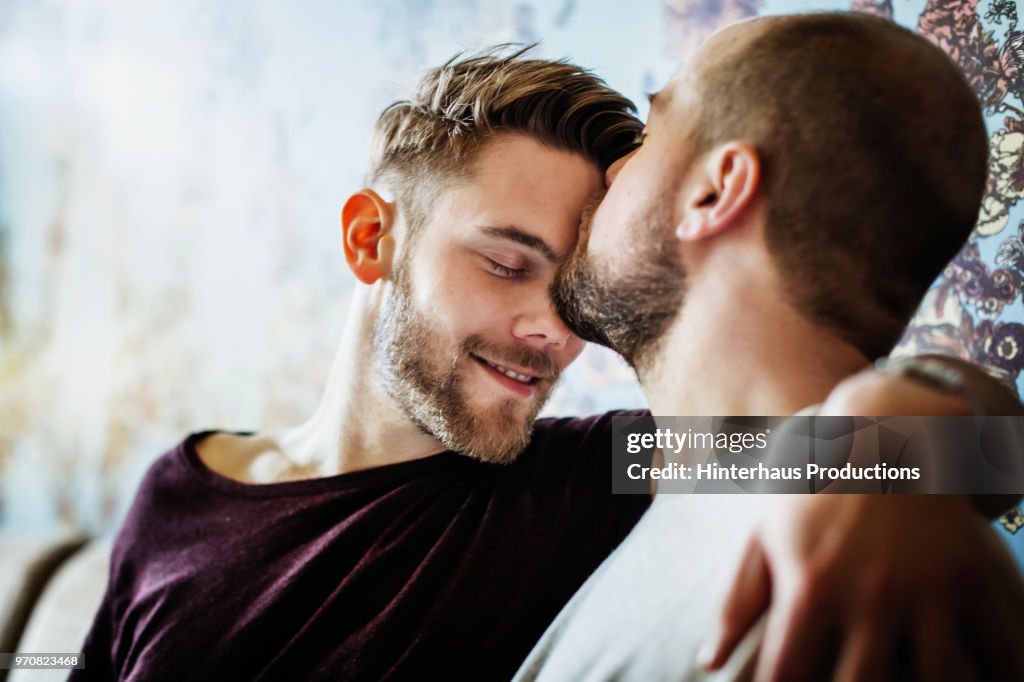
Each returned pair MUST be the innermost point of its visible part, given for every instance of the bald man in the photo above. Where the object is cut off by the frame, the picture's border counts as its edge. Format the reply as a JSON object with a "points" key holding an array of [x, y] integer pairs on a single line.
{"points": [[801, 184]]}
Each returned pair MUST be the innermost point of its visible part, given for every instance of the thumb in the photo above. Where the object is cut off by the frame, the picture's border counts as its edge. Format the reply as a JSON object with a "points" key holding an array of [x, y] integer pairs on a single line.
{"points": [[748, 597]]}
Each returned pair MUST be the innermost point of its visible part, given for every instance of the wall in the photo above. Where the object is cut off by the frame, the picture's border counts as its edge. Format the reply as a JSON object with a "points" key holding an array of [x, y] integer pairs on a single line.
{"points": [[171, 175]]}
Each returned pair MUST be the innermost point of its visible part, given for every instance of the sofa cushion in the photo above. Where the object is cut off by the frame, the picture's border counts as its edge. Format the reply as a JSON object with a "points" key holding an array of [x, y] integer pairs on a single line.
{"points": [[64, 612], [26, 564]]}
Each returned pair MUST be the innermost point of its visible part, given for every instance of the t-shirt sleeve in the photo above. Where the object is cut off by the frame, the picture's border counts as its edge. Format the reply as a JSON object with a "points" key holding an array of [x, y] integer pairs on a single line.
{"points": [[98, 646], [108, 638], [569, 466]]}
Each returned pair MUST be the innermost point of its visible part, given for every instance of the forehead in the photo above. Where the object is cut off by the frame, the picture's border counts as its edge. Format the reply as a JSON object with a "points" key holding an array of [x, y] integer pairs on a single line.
{"points": [[671, 106], [504, 155], [516, 180]]}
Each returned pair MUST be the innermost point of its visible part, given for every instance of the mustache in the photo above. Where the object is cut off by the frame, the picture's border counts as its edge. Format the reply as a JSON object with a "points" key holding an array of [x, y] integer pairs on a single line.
{"points": [[534, 360]]}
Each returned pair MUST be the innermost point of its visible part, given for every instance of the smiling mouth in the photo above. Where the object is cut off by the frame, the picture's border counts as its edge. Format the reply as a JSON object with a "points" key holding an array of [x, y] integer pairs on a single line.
{"points": [[510, 373]]}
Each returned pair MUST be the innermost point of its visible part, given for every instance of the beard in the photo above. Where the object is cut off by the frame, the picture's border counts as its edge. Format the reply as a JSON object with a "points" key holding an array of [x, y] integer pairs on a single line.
{"points": [[630, 307], [426, 377]]}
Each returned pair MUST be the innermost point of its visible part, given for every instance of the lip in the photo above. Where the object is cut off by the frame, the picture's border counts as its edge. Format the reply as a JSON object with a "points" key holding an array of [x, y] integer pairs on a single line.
{"points": [[515, 368], [517, 387]]}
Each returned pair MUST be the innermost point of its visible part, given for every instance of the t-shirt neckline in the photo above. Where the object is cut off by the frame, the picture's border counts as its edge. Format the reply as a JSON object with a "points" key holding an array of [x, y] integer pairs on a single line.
{"points": [[386, 473]]}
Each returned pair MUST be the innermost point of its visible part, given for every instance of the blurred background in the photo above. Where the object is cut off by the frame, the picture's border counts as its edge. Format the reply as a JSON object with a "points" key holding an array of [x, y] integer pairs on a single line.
{"points": [[171, 175]]}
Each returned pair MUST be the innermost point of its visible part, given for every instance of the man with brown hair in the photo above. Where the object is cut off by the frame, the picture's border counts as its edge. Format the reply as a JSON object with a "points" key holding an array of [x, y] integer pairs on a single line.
{"points": [[801, 184], [420, 525]]}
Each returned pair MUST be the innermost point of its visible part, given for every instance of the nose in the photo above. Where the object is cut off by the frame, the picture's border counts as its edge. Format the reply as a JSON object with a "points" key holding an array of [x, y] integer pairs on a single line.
{"points": [[613, 170], [541, 328]]}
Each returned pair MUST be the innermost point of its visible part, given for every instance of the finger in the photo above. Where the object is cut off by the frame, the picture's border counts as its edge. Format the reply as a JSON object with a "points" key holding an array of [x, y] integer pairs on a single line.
{"points": [[939, 655], [992, 627], [867, 655], [748, 597], [994, 643], [799, 642]]}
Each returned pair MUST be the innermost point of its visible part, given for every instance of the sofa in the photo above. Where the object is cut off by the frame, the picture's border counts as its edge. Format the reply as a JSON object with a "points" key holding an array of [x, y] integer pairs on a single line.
{"points": [[50, 588]]}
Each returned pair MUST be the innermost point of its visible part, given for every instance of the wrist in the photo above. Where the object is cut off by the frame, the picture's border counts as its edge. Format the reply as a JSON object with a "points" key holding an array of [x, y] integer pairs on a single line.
{"points": [[993, 506]]}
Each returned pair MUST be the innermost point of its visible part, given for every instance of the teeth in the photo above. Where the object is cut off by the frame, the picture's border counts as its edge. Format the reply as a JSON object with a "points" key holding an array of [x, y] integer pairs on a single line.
{"points": [[509, 373]]}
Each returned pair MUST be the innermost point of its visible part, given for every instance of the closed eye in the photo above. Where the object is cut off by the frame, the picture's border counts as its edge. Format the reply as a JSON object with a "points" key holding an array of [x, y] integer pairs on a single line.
{"points": [[504, 271]]}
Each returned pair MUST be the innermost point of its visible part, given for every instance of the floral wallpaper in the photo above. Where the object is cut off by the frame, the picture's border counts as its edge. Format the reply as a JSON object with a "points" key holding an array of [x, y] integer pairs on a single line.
{"points": [[974, 309], [171, 172]]}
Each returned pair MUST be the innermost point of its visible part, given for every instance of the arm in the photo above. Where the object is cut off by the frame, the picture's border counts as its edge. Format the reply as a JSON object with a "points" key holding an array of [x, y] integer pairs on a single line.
{"points": [[98, 646], [927, 383]]}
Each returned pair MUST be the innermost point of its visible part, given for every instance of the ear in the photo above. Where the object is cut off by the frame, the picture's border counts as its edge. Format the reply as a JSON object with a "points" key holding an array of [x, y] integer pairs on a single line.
{"points": [[720, 189], [366, 222]]}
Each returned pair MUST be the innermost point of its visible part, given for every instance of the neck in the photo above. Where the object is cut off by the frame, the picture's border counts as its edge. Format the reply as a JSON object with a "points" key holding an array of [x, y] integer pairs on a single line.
{"points": [[763, 359], [357, 425]]}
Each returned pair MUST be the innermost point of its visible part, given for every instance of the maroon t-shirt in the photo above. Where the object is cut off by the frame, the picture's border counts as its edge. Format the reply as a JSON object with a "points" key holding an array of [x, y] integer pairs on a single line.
{"points": [[437, 568]]}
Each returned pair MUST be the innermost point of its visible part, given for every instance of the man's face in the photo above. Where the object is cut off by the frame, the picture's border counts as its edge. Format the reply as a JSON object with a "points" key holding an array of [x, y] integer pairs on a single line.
{"points": [[470, 342], [624, 284]]}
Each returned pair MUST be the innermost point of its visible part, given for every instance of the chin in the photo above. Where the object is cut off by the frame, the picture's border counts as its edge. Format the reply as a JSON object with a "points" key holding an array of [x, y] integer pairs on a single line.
{"points": [[504, 412], [499, 430]]}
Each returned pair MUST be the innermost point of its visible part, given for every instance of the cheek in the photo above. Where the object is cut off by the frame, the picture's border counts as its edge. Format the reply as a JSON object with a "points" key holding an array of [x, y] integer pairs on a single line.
{"points": [[459, 302], [605, 239], [437, 280], [610, 222]]}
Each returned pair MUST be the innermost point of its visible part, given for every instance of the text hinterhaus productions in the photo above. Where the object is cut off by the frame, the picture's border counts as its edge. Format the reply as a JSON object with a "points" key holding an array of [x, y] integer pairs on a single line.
{"points": [[713, 471]]}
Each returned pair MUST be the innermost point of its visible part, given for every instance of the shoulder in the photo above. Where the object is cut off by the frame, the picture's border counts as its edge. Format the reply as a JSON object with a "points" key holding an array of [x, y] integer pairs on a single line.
{"points": [[183, 489], [573, 453], [162, 495], [184, 479]]}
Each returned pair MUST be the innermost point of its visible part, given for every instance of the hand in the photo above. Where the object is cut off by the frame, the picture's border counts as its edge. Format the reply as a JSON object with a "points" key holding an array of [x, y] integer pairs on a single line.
{"points": [[855, 582], [876, 587]]}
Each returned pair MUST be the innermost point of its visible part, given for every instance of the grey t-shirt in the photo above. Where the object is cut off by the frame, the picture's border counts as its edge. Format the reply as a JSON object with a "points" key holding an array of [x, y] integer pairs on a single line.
{"points": [[645, 612]]}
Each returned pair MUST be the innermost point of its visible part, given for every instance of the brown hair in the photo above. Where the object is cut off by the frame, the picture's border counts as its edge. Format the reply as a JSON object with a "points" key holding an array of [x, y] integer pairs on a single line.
{"points": [[874, 157], [422, 143]]}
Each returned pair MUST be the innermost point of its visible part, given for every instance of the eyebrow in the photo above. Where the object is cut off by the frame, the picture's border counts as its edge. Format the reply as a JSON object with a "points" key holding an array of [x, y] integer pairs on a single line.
{"points": [[520, 236]]}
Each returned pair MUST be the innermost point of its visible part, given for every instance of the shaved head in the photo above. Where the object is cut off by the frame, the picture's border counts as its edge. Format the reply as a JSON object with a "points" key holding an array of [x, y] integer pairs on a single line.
{"points": [[874, 156]]}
